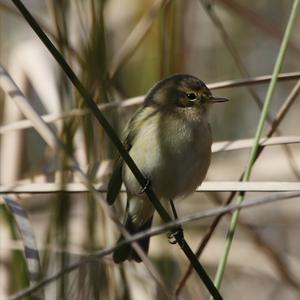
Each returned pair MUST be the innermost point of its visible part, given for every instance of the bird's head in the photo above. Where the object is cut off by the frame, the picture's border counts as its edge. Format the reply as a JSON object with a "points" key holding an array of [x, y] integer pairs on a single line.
{"points": [[181, 91]]}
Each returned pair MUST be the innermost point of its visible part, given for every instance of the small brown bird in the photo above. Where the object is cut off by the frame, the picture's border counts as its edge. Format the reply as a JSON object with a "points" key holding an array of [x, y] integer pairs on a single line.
{"points": [[169, 138]]}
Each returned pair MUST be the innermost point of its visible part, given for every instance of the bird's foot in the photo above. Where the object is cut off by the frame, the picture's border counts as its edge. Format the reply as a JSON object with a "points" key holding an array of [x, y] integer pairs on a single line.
{"points": [[145, 187], [175, 235]]}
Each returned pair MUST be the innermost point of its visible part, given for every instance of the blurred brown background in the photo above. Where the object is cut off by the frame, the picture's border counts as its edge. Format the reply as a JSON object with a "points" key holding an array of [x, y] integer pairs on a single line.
{"points": [[119, 49]]}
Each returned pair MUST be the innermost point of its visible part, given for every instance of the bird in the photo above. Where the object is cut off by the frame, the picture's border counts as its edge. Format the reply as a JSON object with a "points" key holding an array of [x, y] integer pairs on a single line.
{"points": [[169, 138]]}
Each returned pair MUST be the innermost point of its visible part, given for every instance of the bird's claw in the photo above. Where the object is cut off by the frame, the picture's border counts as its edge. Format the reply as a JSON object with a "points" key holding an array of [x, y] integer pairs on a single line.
{"points": [[145, 187], [175, 236], [171, 238]]}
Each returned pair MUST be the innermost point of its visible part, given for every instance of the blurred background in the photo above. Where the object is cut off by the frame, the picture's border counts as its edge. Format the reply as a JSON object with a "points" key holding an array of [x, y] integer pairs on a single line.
{"points": [[119, 49]]}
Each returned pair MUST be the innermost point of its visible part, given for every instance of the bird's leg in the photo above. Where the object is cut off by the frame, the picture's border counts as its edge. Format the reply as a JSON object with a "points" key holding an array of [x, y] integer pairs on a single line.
{"points": [[176, 233], [146, 186]]}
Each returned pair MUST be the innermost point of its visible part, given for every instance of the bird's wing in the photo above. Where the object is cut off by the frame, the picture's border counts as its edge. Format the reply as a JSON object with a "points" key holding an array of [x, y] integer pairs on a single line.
{"points": [[115, 181]]}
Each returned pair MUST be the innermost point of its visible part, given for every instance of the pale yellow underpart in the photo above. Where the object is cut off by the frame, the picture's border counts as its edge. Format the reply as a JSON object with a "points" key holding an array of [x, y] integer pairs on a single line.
{"points": [[172, 149]]}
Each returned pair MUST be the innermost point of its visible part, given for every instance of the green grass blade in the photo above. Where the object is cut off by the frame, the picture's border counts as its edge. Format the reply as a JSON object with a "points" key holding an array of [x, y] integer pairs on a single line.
{"points": [[247, 174]]}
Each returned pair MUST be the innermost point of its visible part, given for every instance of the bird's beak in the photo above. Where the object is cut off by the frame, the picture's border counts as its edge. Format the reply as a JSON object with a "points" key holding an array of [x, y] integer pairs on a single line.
{"points": [[215, 99]]}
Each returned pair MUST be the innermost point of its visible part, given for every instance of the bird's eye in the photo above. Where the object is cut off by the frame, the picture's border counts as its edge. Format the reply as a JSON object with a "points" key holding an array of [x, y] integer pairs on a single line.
{"points": [[191, 96]]}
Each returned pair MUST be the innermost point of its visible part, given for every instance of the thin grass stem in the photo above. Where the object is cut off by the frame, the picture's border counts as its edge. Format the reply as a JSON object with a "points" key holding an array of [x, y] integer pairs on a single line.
{"points": [[252, 157]]}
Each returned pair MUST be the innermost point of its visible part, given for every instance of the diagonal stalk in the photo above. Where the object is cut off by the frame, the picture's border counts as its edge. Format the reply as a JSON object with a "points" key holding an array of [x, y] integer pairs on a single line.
{"points": [[114, 138]]}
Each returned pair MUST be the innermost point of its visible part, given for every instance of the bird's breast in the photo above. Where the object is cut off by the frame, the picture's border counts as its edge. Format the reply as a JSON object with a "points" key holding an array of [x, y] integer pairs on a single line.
{"points": [[173, 152]]}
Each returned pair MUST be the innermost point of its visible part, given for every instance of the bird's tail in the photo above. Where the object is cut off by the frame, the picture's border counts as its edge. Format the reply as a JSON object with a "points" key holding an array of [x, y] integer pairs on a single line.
{"points": [[126, 252]]}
